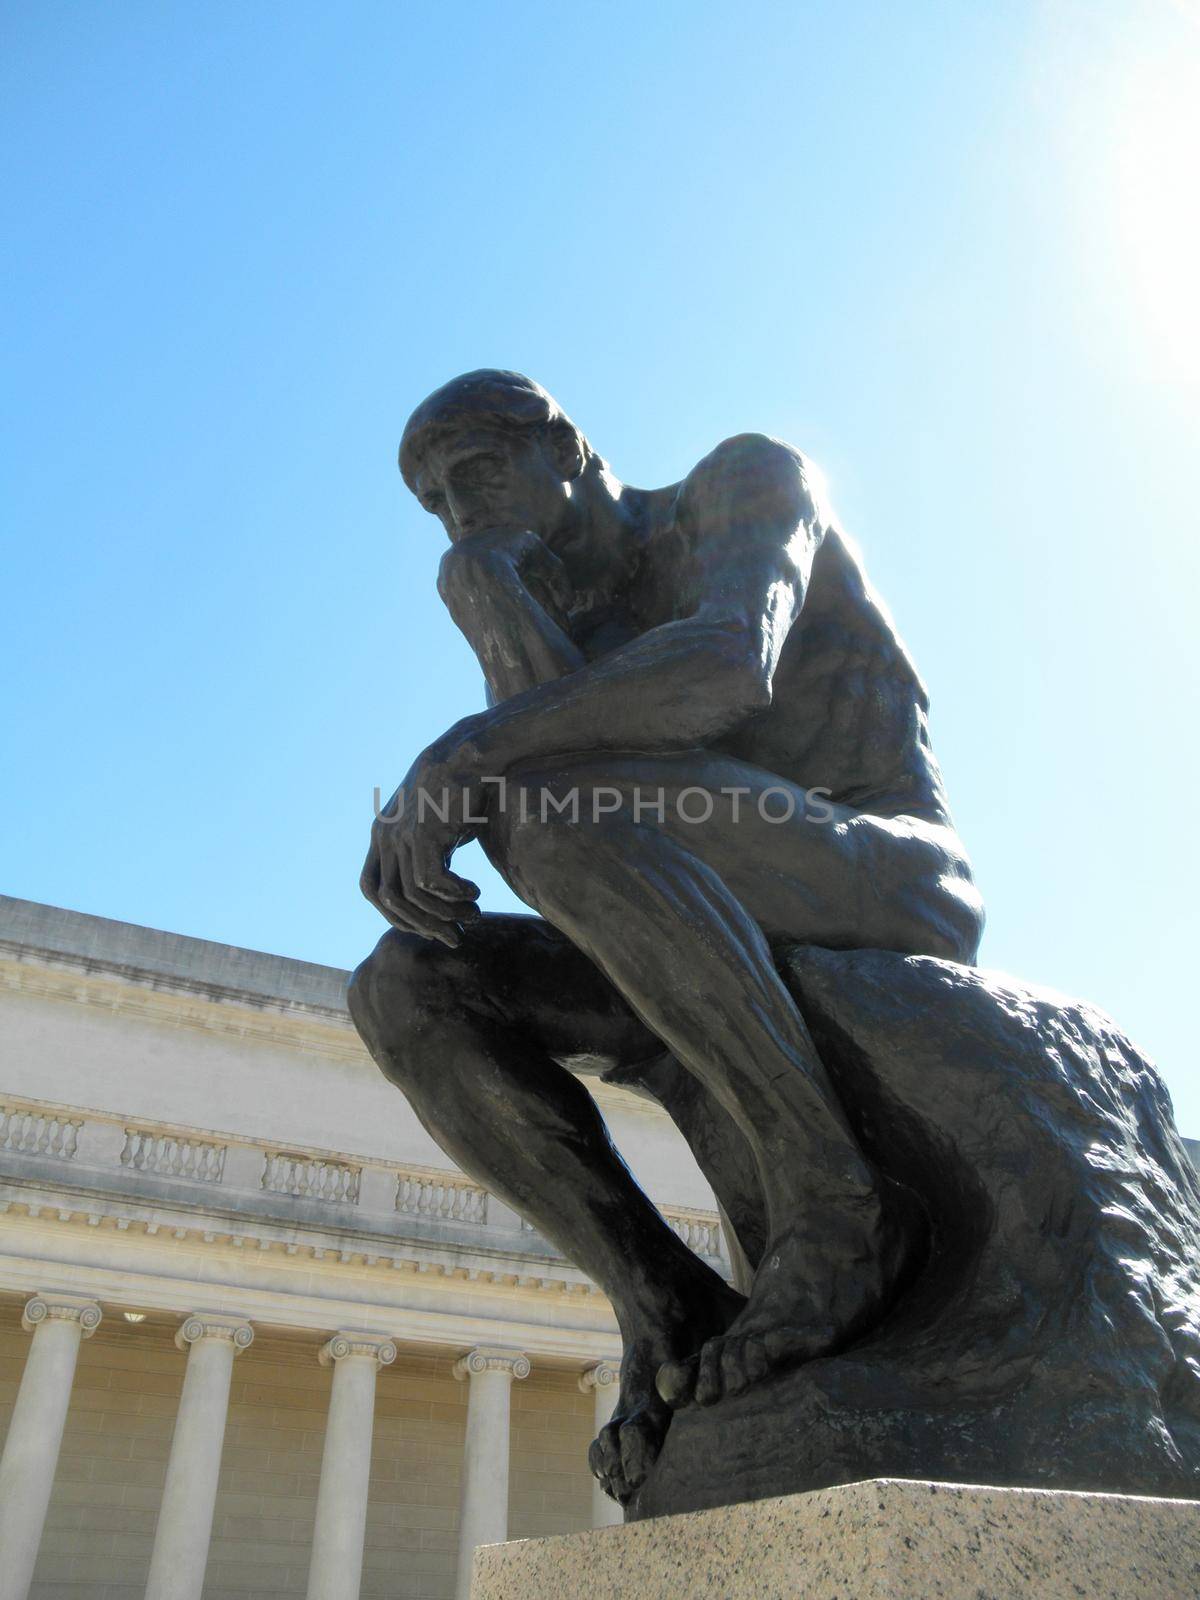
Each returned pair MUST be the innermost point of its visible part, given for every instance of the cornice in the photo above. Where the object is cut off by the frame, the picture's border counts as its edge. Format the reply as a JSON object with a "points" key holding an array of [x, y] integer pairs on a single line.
{"points": [[332, 1251], [174, 1002], [440, 1330]]}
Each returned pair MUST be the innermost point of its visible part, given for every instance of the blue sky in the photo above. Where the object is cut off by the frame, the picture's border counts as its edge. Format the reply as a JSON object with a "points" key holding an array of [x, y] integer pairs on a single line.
{"points": [[948, 249]]}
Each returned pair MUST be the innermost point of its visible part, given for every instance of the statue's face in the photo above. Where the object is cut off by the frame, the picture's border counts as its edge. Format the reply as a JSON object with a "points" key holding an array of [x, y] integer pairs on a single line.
{"points": [[483, 480]]}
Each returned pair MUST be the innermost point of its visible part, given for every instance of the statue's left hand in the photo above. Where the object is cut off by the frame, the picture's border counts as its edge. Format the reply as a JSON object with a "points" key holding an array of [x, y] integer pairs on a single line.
{"points": [[406, 876]]}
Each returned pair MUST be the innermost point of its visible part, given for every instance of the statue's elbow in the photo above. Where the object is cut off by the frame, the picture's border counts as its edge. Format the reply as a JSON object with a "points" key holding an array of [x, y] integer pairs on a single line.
{"points": [[741, 673], [753, 689], [759, 693]]}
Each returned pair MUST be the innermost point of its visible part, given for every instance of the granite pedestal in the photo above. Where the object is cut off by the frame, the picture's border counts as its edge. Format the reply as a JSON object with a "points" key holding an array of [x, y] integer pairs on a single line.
{"points": [[882, 1539]]}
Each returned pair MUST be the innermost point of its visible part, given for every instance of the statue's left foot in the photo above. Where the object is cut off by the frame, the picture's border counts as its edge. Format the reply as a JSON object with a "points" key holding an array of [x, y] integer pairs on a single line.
{"points": [[627, 1446], [810, 1297]]}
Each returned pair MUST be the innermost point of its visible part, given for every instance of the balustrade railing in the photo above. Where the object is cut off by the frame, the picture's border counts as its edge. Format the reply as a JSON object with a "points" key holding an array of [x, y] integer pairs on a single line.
{"points": [[38, 1133], [163, 1153], [700, 1231], [309, 1178], [445, 1199], [419, 1192]]}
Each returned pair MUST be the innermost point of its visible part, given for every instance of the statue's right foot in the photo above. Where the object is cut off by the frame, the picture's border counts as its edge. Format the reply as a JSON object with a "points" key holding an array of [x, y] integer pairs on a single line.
{"points": [[812, 1295], [628, 1446]]}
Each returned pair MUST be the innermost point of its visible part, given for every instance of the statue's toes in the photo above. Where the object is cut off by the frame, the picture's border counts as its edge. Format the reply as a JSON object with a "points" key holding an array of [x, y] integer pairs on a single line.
{"points": [[641, 1440], [782, 1345], [756, 1360], [710, 1385], [604, 1456], [743, 1362], [676, 1381], [730, 1366]]}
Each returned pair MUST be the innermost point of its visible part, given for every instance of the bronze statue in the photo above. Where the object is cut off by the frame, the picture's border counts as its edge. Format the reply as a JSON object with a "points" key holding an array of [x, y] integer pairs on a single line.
{"points": [[705, 751]]}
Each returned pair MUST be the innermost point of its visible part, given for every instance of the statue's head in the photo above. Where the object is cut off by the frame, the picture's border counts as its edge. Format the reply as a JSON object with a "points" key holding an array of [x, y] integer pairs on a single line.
{"points": [[492, 450]]}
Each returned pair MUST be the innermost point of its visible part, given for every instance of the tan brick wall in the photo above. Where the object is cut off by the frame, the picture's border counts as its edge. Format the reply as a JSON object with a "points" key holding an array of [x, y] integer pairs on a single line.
{"points": [[550, 1490], [100, 1527], [412, 1520], [267, 1492]]}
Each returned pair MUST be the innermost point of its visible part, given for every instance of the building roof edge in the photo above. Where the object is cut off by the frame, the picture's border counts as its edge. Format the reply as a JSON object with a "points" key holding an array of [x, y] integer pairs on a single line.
{"points": [[127, 947]]}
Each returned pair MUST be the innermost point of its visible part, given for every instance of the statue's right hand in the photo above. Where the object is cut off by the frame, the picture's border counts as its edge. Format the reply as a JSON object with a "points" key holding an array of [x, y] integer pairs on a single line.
{"points": [[406, 875], [474, 567]]}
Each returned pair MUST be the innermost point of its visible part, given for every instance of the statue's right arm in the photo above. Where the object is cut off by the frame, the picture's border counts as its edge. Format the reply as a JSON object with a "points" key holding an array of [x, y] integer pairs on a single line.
{"points": [[508, 594]]}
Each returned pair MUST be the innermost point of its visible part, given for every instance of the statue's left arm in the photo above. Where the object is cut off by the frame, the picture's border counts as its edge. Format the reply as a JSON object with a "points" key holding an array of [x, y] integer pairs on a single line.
{"points": [[753, 526]]}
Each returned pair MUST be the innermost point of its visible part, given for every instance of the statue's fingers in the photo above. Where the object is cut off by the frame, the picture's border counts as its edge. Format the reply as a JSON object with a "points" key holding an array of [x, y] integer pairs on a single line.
{"points": [[451, 887], [386, 897], [442, 891], [415, 892], [398, 914], [368, 880], [402, 913]]}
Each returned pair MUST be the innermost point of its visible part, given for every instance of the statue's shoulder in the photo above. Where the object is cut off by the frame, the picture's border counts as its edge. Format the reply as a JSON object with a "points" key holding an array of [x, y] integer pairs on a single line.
{"points": [[750, 476], [757, 454]]}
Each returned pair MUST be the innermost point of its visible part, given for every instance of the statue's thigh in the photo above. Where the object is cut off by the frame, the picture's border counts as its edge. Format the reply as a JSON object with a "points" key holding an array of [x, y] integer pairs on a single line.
{"points": [[804, 868], [845, 880], [527, 976], [830, 876]]}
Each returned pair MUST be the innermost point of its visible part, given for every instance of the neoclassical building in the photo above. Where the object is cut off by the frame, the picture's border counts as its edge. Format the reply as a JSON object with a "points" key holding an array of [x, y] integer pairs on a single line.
{"points": [[257, 1337]]}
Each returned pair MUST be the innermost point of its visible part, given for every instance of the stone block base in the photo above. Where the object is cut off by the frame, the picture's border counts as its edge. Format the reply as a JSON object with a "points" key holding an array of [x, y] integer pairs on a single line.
{"points": [[883, 1539]]}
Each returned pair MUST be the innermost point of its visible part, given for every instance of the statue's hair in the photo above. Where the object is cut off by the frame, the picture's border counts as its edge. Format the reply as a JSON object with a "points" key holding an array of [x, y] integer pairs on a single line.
{"points": [[489, 397]]}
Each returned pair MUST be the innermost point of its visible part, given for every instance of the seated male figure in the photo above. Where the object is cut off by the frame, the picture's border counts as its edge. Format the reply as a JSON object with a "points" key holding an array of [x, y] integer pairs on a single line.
{"points": [[711, 742]]}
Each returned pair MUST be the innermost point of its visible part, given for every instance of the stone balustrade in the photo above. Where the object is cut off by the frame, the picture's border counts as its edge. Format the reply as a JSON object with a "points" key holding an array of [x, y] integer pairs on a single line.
{"points": [[132, 1159], [311, 1178], [437, 1195], [699, 1230], [146, 1151], [30, 1132]]}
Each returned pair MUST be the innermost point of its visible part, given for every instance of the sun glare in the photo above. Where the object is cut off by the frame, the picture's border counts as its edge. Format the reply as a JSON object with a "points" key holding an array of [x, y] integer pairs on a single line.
{"points": [[1156, 194]]}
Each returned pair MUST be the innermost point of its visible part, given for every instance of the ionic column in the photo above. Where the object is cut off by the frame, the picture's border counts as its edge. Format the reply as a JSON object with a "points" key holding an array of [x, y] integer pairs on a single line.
{"points": [[337, 1553], [603, 1380], [185, 1515], [483, 1517], [58, 1322]]}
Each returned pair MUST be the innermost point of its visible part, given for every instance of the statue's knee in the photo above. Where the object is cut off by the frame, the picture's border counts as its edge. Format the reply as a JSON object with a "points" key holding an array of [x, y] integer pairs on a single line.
{"points": [[945, 920], [965, 921], [397, 987]]}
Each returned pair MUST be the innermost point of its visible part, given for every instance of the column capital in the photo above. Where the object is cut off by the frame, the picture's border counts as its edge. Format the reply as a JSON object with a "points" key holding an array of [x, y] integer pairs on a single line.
{"points": [[61, 1308], [600, 1376], [376, 1345], [486, 1359], [207, 1325]]}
